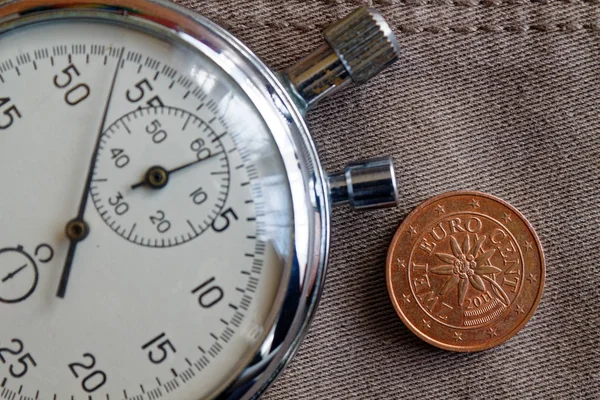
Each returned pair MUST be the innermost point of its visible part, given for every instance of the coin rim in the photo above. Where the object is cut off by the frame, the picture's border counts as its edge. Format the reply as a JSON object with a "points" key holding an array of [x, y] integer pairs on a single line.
{"points": [[391, 257]]}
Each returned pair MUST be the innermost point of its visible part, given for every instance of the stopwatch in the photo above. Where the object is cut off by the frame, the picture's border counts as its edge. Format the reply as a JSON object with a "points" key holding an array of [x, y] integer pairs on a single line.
{"points": [[164, 218]]}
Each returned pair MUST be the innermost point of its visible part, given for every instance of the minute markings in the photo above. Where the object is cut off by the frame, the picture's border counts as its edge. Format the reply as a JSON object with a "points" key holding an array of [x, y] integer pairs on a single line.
{"points": [[103, 180]]}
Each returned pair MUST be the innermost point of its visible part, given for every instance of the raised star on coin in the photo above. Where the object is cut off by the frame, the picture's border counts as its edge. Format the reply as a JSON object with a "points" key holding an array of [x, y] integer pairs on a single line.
{"points": [[458, 336], [520, 309], [412, 231], [400, 263], [528, 246], [492, 332], [468, 271], [474, 203]]}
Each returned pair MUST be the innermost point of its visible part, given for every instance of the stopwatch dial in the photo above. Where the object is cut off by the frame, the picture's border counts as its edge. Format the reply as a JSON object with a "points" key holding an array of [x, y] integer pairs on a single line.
{"points": [[161, 176], [177, 258]]}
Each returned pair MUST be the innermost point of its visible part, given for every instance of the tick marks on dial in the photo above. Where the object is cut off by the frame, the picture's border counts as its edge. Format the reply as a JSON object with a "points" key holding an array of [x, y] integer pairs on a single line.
{"points": [[186, 122], [126, 127], [252, 284], [257, 266], [220, 136], [102, 54], [131, 231]]}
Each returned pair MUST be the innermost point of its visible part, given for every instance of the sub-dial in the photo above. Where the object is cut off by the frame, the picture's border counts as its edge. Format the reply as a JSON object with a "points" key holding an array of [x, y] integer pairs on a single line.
{"points": [[161, 176], [18, 275]]}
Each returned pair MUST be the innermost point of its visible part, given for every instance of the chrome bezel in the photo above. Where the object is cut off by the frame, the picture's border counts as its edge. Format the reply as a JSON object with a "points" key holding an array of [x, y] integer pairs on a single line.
{"points": [[306, 179]]}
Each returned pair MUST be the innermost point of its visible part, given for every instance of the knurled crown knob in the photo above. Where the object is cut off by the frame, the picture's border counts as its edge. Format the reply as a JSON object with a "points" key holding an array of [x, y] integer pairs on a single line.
{"points": [[364, 42], [357, 48]]}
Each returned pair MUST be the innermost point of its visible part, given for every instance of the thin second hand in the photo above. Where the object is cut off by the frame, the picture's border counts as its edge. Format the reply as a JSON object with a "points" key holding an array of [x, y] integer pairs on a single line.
{"points": [[64, 279]]}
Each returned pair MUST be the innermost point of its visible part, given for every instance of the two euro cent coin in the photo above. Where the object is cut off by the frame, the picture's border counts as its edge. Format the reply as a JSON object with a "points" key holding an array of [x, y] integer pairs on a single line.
{"points": [[465, 271]]}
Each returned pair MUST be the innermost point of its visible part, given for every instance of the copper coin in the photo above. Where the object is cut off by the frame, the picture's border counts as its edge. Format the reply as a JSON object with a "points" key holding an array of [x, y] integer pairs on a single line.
{"points": [[465, 271]]}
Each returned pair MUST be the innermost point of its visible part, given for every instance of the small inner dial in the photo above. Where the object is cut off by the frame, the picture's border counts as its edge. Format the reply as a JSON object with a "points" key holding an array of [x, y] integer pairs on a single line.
{"points": [[161, 176]]}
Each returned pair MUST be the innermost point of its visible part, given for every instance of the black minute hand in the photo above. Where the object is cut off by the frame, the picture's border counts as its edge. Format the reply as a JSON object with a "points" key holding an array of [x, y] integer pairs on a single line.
{"points": [[77, 229], [148, 181]]}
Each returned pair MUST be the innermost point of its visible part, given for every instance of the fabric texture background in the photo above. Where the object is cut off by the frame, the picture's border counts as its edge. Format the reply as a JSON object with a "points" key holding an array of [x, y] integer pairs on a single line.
{"points": [[501, 96]]}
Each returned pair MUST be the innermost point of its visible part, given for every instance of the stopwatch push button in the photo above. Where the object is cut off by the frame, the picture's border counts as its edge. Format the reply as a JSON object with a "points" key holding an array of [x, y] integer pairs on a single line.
{"points": [[365, 185]]}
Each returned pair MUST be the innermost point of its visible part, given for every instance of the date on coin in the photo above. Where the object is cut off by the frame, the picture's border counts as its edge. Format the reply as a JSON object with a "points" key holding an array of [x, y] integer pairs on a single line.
{"points": [[465, 271]]}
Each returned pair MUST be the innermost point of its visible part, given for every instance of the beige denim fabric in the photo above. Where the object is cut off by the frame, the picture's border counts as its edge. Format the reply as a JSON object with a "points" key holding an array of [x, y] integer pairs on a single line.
{"points": [[501, 96]]}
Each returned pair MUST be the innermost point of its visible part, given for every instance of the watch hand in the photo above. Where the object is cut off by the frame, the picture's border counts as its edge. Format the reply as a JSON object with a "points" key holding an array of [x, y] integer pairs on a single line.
{"points": [[12, 274], [157, 177], [77, 229]]}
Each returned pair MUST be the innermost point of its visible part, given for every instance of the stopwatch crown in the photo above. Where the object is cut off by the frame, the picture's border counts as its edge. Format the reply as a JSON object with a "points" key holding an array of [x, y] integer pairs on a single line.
{"points": [[364, 42], [358, 47]]}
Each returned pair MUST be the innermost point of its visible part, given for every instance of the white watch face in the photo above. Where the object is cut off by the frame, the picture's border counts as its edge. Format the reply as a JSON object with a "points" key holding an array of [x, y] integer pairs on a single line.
{"points": [[165, 167]]}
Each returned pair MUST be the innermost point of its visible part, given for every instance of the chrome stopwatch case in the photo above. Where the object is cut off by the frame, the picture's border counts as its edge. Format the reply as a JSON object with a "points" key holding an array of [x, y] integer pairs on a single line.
{"points": [[164, 218]]}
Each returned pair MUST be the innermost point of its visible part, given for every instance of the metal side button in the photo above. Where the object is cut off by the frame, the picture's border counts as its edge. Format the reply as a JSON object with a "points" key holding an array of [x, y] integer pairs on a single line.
{"points": [[365, 185]]}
